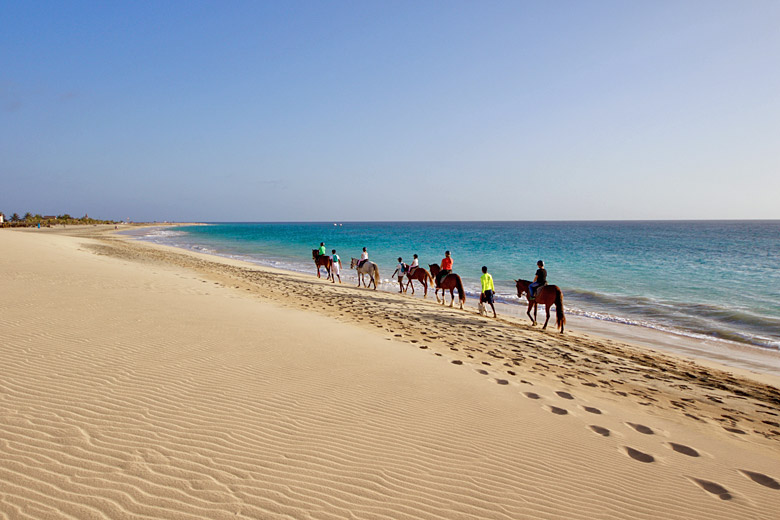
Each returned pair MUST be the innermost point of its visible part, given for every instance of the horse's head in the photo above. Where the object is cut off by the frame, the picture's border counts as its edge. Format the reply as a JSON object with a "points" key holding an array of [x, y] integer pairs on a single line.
{"points": [[353, 262], [314, 253], [434, 269], [522, 287]]}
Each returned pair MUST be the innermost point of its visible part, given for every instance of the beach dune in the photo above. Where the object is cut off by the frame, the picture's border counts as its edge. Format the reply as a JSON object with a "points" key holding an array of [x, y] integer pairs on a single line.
{"points": [[140, 382]]}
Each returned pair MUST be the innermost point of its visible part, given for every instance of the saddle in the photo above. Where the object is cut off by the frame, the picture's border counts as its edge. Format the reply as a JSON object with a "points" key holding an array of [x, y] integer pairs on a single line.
{"points": [[536, 292]]}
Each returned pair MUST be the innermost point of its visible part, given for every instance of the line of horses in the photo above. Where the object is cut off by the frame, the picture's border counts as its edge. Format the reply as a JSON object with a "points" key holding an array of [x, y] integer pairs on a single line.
{"points": [[547, 295]]}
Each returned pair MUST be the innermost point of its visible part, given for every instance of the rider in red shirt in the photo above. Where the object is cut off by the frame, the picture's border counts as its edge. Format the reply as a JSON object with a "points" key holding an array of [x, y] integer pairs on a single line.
{"points": [[446, 268]]}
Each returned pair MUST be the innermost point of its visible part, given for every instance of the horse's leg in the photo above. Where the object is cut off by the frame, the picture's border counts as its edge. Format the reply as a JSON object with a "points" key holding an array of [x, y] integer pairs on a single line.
{"points": [[452, 296], [318, 269], [528, 311], [546, 308]]}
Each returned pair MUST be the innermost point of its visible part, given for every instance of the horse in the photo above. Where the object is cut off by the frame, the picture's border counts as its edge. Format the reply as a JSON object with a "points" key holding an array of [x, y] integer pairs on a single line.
{"points": [[547, 295], [421, 275], [369, 268], [452, 281], [321, 261]]}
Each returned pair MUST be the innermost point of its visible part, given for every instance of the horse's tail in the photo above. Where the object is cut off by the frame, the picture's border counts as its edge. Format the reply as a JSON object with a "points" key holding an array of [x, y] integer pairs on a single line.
{"points": [[430, 278], [560, 319], [376, 275], [459, 287]]}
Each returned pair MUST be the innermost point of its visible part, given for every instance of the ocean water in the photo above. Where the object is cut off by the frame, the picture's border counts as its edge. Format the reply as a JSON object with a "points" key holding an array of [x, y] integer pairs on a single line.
{"points": [[707, 279]]}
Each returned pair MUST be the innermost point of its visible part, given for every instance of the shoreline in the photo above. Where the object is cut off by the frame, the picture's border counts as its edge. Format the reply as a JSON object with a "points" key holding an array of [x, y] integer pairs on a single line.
{"points": [[607, 334], [744, 357], [146, 380]]}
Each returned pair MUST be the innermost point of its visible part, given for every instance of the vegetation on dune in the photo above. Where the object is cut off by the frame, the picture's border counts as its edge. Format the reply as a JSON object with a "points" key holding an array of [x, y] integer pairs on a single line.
{"points": [[30, 220]]}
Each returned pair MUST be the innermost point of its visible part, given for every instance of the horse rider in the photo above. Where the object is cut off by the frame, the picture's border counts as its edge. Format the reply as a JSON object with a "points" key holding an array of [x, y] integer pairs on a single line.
{"points": [[363, 257], [335, 269], [322, 249], [415, 264], [446, 268], [540, 280]]}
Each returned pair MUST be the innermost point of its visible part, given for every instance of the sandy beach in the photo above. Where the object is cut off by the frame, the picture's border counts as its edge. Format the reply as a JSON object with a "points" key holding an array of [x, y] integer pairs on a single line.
{"points": [[141, 381]]}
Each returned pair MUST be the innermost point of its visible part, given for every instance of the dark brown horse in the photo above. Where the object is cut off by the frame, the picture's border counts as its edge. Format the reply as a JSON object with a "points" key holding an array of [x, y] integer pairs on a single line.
{"points": [[451, 281], [421, 275], [547, 295], [321, 261]]}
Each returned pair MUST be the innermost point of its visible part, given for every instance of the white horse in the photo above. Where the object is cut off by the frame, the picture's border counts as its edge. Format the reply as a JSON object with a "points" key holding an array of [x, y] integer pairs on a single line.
{"points": [[369, 268]]}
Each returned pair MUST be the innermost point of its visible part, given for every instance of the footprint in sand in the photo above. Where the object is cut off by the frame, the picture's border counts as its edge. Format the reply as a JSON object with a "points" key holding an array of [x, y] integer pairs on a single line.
{"points": [[483, 372], [531, 395], [558, 411], [714, 488], [600, 430], [456, 362], [638, 455], [590, 409], [502, 381], [685, 450], [760, 478], [735, 430], [564, 395], [641, 428]]}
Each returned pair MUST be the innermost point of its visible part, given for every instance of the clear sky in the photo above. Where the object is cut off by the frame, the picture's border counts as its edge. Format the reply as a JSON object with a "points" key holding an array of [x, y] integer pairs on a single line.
{"points": [[284, 110]]}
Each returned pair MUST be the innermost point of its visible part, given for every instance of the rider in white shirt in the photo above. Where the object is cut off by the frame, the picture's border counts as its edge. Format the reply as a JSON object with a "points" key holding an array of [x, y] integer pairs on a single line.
{"points": [[415, 264]]}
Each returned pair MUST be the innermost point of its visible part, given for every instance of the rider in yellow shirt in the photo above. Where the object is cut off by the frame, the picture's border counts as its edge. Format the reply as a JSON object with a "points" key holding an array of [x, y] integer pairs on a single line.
{"points": [[488, 289]]}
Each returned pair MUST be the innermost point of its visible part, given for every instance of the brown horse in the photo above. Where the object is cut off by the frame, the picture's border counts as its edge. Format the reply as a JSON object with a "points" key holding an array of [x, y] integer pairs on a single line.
{"points": [[321, 261], [451, 281], [547, 295], [422, 276]]}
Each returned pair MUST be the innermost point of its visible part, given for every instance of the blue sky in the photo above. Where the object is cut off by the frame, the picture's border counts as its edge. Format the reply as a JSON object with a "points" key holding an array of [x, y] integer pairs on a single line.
{"points": [[260, 111]]}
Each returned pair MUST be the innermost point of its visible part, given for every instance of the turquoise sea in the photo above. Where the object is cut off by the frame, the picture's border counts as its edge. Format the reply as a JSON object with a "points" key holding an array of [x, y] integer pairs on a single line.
{"points": [[706, 279]]}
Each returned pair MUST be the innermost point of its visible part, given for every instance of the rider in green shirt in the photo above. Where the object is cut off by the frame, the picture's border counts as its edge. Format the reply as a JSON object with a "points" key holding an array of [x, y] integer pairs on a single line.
{"points": [[322, 249]]}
